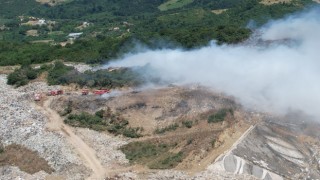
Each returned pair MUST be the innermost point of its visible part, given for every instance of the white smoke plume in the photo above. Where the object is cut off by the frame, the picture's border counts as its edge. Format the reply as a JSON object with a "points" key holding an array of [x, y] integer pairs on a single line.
{"points": [[281, 76]]}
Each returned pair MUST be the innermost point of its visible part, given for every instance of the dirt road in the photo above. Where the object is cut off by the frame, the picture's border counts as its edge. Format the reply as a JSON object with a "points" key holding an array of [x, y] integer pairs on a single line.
{"points": [[86, 153]]}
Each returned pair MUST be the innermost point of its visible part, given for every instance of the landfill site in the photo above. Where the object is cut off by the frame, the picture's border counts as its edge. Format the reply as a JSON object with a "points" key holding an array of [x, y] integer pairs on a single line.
{"points": [[171, 132]]}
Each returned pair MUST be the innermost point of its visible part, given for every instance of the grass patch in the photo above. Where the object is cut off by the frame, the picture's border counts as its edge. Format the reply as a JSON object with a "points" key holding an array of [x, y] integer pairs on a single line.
{"points": [[171, 127], [139, 152], [104, 121], [171, 160], [219, 116], [155, 156], [173, 4]]}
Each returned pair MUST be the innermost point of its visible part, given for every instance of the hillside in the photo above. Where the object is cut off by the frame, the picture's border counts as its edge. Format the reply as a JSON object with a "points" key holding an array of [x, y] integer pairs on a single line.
{"points": [[159, 89], [112, 28]]}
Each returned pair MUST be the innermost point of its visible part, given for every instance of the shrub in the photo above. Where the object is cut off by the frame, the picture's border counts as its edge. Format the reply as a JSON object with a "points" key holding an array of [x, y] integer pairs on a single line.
{"points": [[100, 113], [103, 121], [21, 77], [155, 156], [187, 124], [83, 120], [171, 161], [219, 116], [213, 142], [132, 132], [16, 78], [140, 151], [56, 74], [171, 127]]}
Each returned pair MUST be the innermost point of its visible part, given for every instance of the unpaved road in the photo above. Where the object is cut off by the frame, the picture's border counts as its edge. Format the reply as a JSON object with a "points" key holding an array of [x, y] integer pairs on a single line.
{"points": [[86, 153]]}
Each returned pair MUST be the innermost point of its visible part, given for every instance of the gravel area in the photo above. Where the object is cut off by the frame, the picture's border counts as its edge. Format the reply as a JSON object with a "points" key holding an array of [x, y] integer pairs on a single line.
{"points": [[14, 173]]}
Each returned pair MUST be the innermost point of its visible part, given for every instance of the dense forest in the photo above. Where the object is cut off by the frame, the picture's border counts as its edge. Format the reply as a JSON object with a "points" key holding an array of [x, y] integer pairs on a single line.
{"points": [[117, 25]]}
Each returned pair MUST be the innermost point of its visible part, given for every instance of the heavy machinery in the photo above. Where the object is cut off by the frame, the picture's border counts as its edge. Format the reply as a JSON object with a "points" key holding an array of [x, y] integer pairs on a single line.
{"points": [[95, 92], [55, 92], [101, 91]]}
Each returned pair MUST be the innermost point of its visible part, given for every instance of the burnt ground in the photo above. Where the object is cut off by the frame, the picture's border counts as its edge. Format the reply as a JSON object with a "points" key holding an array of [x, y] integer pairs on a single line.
{"points": [[277, 147], [27, 160], [155, 109]]}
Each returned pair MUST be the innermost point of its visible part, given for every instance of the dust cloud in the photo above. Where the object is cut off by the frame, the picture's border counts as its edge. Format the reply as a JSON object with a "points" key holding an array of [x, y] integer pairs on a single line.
{"points": [[277, 70]]}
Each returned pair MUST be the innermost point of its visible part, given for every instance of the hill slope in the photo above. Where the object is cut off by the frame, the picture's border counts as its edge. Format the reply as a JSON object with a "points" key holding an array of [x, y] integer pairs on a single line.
{"points": [[111, 28]]}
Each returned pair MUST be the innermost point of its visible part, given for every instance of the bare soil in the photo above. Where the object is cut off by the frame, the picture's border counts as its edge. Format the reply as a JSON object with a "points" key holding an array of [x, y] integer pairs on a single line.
{"points": [[27, 160], [219, 11], [32, 32], [51, 2], [86, 153], [8, 69], [270, 2], [201, 144]]}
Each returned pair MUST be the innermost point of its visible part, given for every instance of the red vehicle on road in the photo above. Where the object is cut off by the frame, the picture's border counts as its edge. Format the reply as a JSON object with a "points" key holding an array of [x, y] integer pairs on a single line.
{"points": [[55, 92], [101, 91]]}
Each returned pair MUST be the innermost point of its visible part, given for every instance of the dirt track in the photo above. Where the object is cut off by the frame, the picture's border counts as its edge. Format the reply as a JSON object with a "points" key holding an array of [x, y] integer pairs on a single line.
{"points": [[86, 153]]}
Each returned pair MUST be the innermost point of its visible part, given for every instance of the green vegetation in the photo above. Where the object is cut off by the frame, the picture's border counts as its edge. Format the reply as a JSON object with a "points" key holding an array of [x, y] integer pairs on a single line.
{"points": [[213, 142], [170, 161], [101, 78], [14, 8], [141, 151], [56, 74], [174, 4], [171, 127], [185, 23], [23, 75], [155, 156], [13, 53], [219, 116], [103, 121], [188, 124]]}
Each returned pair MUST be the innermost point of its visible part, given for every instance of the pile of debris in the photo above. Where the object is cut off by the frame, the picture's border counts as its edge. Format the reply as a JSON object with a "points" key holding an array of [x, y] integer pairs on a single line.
{"points": [[106, 146], [22, 124]]}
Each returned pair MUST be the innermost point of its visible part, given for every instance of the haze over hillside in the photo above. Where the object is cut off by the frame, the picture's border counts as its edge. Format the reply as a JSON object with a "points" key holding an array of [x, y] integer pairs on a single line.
{"points": [[271, 71]]}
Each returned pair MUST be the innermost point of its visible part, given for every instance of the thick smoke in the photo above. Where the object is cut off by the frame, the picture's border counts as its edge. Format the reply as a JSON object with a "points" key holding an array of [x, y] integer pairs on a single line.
{"points": [[278, 72]]}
